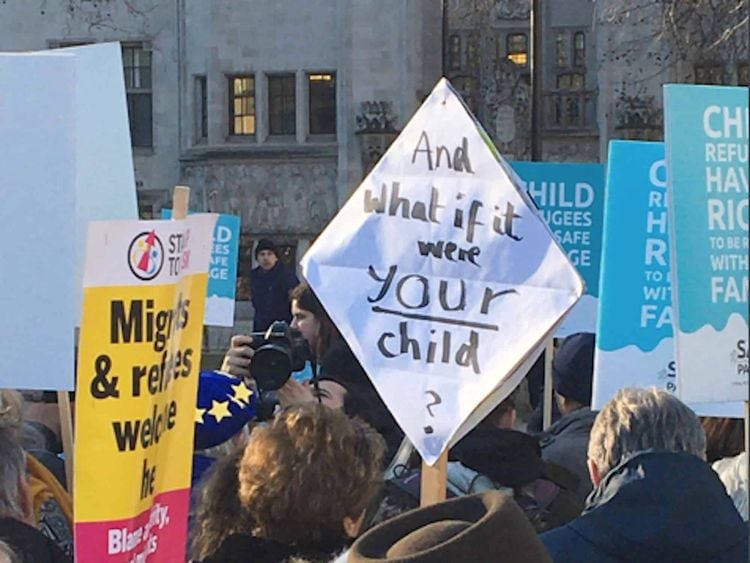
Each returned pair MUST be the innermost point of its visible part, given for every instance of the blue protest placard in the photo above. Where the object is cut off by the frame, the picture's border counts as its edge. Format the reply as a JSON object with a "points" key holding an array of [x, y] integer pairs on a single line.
{"points": [[570, 197], [222, 273], [706, 136], [634, 336], [635, 345]]}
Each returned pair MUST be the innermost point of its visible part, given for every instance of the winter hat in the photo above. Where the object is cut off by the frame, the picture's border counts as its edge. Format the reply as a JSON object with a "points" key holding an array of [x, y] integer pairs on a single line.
{"points": [[265, 244], [573, 367], [486, 527], [508, 457], [225, 405]]}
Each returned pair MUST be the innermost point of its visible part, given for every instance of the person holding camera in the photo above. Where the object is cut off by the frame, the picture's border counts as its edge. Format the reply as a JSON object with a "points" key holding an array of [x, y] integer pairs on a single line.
{"points": [[340, 382]]}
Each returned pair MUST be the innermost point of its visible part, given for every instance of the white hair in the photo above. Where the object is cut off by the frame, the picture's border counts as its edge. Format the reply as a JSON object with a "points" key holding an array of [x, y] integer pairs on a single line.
{"points": [[642, 419]]}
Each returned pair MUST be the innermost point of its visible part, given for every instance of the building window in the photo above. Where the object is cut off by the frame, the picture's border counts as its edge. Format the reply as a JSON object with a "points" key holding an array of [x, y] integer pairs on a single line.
{"points": [[282, 114], [517, 47], [136, 62], [561, 46], [742, 74], [579, 49], [468, 87], [570, 81], [201, 108], [454, 52], [709, 74], [322, 103], [242, 105], [472, 50]]}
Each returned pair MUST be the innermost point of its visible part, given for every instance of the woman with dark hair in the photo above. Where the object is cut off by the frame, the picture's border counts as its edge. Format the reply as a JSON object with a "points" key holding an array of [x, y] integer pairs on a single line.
{"points": [[341, 382], [305, 481]]}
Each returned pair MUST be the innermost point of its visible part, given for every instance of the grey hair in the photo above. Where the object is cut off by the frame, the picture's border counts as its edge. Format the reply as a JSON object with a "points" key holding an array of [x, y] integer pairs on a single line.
{"points": [[641, 419], [12, 456]]}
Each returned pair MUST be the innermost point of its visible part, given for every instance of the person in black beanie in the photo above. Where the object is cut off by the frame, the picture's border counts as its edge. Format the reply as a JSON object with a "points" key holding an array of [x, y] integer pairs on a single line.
{"points": [[270, 284], [566, 441]]}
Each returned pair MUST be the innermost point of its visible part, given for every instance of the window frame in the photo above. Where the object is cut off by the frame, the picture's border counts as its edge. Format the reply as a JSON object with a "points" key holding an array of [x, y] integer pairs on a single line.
{"points": [[134, 91], [576, 60], [232, 97], [454, 51], [510, 53], [272, 77], [201, 107], [308, 82], [716, 71]]}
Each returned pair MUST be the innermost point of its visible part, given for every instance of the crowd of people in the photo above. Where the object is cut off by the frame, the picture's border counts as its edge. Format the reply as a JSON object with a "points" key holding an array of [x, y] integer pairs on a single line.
{"points": [[328, 475]]}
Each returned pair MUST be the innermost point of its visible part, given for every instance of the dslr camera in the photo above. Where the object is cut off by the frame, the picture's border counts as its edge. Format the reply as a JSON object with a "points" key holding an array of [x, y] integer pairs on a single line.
{"points": [[279, 351]]}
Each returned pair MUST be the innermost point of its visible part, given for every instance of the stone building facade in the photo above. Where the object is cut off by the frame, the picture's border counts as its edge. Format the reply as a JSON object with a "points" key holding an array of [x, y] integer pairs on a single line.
{"points": [[274, 111], [268, 110], [603, 66]]}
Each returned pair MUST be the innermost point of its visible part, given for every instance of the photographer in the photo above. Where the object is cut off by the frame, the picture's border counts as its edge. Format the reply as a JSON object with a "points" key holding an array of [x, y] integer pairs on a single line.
{"points": [[341, 383], [316, 327]]}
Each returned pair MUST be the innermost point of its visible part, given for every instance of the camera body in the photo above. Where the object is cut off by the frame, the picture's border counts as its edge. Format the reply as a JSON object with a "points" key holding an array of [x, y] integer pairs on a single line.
{"points": [[279, 351]]}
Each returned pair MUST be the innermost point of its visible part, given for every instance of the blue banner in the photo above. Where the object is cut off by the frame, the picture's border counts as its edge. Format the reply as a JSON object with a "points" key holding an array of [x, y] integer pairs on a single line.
{"points": [[222, 273], [570, 197], [634, 331], [706, 135], [635, 344]]}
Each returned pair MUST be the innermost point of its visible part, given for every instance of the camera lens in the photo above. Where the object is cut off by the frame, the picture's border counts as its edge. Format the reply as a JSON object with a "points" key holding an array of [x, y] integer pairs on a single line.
{"points": [[272, 366]]}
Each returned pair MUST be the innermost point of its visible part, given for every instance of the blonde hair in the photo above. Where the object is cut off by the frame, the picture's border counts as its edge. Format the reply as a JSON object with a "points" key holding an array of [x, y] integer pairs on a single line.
{"points": [[301, 475], [641, 419], [12, 456]]}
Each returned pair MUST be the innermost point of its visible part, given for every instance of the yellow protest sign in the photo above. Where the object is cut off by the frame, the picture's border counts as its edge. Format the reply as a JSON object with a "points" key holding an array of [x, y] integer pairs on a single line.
{"points": [[139, 358]]}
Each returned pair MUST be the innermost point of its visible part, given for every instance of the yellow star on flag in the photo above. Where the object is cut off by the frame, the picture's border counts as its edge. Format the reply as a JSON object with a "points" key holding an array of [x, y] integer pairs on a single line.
{"points": [[199, 415], [241, 394], [220, 410]]}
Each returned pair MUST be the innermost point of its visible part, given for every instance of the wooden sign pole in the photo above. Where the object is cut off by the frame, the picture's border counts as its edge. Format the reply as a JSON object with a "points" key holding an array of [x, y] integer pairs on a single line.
{"points": [[434, 481], [66, 434], [180, 200], [548, 385]]}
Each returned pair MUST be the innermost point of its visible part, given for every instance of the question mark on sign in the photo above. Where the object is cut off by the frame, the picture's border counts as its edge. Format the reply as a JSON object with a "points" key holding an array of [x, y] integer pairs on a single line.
{"points": [[436, 400]]}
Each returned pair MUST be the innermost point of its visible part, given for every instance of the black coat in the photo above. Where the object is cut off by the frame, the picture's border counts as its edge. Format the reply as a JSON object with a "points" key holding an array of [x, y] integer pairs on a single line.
{"points": [[656, 507], [29, 544], [242, 548], [270, 295]]}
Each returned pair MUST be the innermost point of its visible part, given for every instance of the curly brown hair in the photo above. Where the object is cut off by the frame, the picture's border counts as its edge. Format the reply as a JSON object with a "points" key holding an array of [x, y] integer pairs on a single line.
{"points": [[306, 471]]}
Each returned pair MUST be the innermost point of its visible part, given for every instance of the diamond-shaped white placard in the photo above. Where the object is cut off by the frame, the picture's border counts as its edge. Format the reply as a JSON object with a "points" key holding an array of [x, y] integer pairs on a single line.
{"points": [[439, 335]]}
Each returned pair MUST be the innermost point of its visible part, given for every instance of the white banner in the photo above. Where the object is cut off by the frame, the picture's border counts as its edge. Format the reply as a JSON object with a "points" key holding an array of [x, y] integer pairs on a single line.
{"points": [[37, 214], [441, 275]]}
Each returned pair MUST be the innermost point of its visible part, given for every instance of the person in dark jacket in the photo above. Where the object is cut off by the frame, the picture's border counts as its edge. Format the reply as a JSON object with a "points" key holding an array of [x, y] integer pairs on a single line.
{"points": [[566, 441], [656, 499], [270, 284]]}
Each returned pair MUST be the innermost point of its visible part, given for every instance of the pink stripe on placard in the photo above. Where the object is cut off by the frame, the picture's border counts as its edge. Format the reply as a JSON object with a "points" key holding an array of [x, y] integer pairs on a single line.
{"points": [[158, 534]]}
